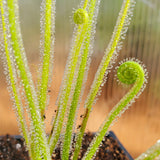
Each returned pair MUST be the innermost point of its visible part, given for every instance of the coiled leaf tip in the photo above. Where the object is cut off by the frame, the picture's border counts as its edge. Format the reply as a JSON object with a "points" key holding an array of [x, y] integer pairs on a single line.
{"points": [[129, 71], [80, 16]]}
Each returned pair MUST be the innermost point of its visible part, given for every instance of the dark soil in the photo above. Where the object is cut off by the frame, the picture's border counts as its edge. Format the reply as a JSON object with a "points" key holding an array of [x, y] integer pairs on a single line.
{"points": [[14, 149]]}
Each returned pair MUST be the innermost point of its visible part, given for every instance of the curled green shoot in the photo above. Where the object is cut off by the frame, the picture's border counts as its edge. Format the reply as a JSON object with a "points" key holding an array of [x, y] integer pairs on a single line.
{"points": [[26, 79], [129, 72], [102, 69], [152, 153], [77, 91], [80, 16]]}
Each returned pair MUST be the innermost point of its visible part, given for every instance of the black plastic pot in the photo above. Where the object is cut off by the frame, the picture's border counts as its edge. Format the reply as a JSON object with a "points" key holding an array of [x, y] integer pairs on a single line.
{"points": [[111, 133], [19, 140]]}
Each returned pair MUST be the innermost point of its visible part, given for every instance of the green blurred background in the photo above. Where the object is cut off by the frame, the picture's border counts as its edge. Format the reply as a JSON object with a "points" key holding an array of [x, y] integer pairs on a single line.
{"points": [[139, 127]]}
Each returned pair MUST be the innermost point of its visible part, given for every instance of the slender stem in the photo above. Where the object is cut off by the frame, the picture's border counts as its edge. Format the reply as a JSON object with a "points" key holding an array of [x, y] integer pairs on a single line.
{"points": [[46, 56], [130, 70], [101, 71], [34, 148], [65, 95], [70, 72], [85, 4], [77, 91], [105, 62], [26, 80], [46, 61], [72, 63], [13, 80]]}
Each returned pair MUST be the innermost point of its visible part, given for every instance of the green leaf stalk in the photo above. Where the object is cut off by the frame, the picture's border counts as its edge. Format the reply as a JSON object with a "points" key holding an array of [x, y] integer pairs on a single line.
{"points": [[47, 52], [111, 49], [13, 80], [77, 91]]}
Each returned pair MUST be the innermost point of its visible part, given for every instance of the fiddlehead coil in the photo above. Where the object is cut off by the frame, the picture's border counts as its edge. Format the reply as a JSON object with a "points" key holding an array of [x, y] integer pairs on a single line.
{"points": [[80, 16], [128, 72]]}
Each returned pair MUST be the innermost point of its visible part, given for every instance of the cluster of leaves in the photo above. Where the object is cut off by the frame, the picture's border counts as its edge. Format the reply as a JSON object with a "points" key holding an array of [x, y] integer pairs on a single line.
{"points": [[18, 76]]}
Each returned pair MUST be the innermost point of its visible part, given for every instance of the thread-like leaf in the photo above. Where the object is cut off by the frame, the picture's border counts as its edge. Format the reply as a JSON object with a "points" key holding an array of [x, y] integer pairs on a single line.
{"points": [[13, 79], [128, 72], [47, 48], [77, 91], [21, 61], [101, 72], [79, 37]]}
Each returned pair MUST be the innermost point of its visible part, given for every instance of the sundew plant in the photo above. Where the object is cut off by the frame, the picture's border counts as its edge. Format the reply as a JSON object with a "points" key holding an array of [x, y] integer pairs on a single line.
{"points": [[21, 86]]}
